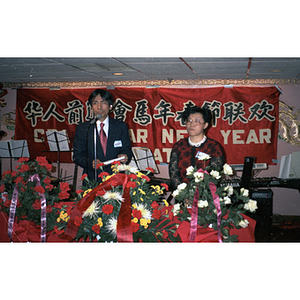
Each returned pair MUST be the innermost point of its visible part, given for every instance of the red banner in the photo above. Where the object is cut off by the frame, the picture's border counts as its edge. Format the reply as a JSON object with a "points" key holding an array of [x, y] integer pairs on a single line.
{"points": [[246, 118]]}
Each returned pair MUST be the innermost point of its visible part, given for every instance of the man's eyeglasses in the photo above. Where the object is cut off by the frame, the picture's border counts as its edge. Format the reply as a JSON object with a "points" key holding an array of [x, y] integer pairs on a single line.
{"points": [[195, 121]]}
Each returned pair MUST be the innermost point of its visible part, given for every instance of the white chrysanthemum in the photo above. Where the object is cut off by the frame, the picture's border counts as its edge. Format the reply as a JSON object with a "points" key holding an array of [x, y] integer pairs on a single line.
{"points": [[146, 213], [199, 176], [202, 203], [189, 170], [113, 196], [129, 168], [176, 209], [93, 210], [227, 170], [227, 200], [112, 226]]}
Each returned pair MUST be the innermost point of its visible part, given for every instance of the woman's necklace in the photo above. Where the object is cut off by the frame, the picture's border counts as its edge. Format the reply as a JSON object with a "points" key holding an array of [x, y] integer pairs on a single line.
{"points": [[197, 144]]}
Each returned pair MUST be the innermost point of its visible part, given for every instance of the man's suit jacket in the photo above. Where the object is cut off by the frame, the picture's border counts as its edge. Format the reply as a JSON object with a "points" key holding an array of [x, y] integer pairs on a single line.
{"points": [[118, 142]]}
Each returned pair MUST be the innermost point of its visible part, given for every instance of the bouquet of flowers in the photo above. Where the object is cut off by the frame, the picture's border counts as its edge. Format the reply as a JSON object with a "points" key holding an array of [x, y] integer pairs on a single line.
{"points": [[149, 220], [24, 189], [212, 205]]}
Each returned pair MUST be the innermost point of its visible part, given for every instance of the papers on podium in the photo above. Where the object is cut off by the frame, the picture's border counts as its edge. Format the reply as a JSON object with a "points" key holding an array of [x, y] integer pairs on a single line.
{"points": [[14, 149], [58, 139]]}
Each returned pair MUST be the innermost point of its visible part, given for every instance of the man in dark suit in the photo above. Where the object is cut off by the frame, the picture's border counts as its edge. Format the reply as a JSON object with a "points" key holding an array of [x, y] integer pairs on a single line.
{"points": [[118, 140]]}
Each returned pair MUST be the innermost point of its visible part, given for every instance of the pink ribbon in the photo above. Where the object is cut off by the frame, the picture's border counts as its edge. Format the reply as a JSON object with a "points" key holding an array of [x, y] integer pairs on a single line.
{"points": [[194, 216], [13, 206]]}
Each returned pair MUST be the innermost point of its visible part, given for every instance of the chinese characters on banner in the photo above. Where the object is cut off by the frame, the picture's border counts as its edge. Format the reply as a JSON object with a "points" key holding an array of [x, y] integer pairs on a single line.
{"points": [[246, 118]]}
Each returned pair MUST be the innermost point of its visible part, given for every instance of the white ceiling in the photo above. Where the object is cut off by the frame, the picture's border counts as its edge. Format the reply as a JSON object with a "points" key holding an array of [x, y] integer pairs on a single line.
{"points": [[28, 70]]}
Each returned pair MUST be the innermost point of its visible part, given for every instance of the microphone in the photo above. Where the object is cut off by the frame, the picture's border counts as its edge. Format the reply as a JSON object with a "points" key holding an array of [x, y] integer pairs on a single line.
{"points": [[97, 117]]}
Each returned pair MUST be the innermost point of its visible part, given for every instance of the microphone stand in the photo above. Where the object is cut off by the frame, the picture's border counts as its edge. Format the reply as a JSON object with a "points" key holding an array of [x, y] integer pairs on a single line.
{"points": [[95, 150]]}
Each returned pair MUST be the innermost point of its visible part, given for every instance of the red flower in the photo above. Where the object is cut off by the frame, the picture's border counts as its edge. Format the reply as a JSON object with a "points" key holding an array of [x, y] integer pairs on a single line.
{"points": [[100, 193], [156, 214], [146, 177], [22, 159], [63, 195], [107, 209], [96, 228], [39, 189], [58, 205], [100, 165], [2, 188], [37, 204], [48, 209], [64, 186], [49, 187], [84, 176], [79, 191], [43, 162], [132, 176], [114, 183], [134, 227], [7, 203], [165, 234], [103, 174], [165, 186], [116, 162], [78, 221], [131, 184], [137, 214], [150, 169], [154, 205], [24, 168], [171, 215], [68, 210], [47, 180], [18, 179], [56, 230]]}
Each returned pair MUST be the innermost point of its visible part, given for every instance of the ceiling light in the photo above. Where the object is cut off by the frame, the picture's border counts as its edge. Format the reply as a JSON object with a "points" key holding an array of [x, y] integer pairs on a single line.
{"points": [[118, 74], [275, 71]]}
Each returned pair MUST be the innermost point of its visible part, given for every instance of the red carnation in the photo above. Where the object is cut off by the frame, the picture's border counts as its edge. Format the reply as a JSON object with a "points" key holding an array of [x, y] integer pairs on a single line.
{"points": [[37, 204], [165, 234], [58, 205], [107, 209], [146, 177], [22, 159], [7, 203], [150, 169], [2, 188], [132, 176], [165, 186], [64, 186], [56, 230], [154, 205], [103, 174], [96, 228], [79, 191], [100, 193], [39, 189], [43, 162], [131, 184], [137, 214], [78, 221], [134, 227], [49, 187], [18, 179], [63, 195], [156, 214], [47, 180], [49, 209], [24, 168], [83, 176], [100, 165]]}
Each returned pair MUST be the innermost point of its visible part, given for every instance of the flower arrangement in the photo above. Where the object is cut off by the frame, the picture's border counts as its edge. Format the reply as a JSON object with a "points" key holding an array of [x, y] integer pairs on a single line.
{"points": [[148, 220], [29, 193], [215, 206]]}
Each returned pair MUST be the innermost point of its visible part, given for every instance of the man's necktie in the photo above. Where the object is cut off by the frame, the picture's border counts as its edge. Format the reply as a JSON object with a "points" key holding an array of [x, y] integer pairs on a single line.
{"points": [[103, 138]]}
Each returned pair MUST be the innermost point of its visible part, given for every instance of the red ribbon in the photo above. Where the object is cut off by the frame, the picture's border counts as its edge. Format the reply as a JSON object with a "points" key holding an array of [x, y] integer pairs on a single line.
{"points": [[194, 215], [124, 233], [13, 206]]}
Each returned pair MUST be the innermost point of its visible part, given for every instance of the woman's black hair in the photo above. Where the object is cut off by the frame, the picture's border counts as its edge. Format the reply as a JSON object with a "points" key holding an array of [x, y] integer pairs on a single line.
{"points": [[205, 112], [105, 95]]}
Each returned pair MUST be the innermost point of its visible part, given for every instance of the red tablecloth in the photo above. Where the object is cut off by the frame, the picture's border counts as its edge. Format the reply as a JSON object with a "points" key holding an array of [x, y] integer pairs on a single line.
{"points": [[24, 231]]}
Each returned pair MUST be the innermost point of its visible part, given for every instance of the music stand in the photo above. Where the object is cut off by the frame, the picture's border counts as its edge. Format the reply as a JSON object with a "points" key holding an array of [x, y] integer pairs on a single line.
{"points": [[143, 159], [13, 149], [58, 141]]}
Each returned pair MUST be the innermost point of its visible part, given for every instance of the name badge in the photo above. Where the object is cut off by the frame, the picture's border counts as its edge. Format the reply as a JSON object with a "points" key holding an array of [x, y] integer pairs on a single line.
{"points": [[201, 155], [118, 144]]}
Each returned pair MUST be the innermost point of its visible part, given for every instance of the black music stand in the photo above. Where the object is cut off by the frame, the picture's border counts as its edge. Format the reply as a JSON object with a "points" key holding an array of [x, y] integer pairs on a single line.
{"points": [[13, 149], [58, 141], [143, 159]]}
